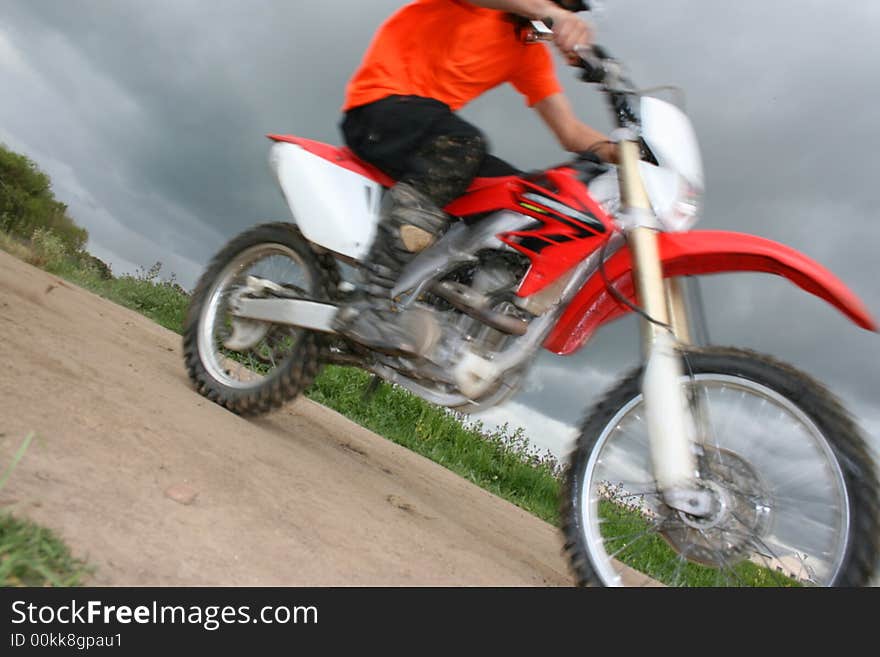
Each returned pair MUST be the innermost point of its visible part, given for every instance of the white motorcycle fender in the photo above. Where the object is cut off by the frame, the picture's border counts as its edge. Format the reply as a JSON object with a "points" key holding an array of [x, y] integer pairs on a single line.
{"points": [[332, 206]]}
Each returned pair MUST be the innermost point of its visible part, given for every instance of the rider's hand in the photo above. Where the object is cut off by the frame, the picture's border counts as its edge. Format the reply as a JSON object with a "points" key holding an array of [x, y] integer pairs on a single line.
{"points": [[569, 31]]}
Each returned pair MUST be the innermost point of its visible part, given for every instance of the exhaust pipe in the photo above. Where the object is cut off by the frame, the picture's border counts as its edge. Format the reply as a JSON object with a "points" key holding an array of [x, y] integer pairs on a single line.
{"points": [[476, 305]]}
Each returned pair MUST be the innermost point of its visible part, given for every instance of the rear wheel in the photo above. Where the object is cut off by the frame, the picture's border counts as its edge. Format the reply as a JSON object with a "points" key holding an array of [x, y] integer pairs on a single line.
{"points": [[247, 366], [796, 495]]}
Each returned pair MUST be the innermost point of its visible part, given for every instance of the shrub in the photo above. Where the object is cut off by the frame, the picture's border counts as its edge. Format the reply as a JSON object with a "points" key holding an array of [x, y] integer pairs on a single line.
{"points": [[28, 203], [14, 247], [48, 250], [95, 265]]}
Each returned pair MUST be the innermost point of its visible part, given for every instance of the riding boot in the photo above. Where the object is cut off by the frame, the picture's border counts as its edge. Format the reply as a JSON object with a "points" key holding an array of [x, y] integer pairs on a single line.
{"points": [[409, 223]]}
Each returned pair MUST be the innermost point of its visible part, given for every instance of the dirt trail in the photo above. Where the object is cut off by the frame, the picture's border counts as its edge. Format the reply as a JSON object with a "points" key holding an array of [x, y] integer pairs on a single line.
{"points": [[301, 497]]}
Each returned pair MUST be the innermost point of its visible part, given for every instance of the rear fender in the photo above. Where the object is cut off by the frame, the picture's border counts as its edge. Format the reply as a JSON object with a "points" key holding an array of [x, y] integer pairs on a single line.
{"points": [[334, 206]]}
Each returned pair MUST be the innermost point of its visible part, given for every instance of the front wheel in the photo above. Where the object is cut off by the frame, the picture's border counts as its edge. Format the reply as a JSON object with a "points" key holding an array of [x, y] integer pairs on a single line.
{"points": [[796, 494]]}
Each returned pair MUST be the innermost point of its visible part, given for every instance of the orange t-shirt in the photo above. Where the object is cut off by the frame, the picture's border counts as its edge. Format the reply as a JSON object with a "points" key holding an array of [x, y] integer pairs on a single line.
{"points": [[451, 51]]}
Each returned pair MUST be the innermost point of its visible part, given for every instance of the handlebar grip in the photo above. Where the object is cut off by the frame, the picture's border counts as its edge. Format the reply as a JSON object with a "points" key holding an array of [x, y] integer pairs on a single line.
{"points": [[592, 62], [592, 74], [601, 53]]}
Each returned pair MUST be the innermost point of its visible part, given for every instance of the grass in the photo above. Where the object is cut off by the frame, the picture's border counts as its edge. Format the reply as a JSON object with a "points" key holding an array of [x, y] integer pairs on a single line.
{"points": [[14, 247], [31, 555], [499, 461], [624, 528], [161, 301]]}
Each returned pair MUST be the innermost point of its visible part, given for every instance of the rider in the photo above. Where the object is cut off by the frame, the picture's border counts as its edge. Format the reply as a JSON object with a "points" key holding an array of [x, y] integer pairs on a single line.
{"points": [[426, 62]]}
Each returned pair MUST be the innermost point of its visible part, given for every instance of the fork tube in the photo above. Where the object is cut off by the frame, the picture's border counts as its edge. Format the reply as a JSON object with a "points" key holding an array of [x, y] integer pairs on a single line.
{"points": [[678, 310], [669, 422], [642, 241], [665, 304], [648, 277]]}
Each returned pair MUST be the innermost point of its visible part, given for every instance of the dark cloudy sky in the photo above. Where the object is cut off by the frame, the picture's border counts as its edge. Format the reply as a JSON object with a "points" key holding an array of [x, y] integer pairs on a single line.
{"points": [[150, 114]]}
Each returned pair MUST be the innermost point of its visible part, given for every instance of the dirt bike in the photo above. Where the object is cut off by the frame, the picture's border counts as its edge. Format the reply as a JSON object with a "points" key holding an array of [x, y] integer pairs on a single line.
{"points": [[706, 465]]}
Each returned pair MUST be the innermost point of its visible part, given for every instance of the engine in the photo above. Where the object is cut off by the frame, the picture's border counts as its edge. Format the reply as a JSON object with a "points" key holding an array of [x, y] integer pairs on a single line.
{"points": [[476, 340], [475, 307]]}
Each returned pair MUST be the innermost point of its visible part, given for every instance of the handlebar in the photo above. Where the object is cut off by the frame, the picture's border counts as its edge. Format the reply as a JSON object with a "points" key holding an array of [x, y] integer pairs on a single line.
{"points": [[598, 67], [592, 61], [592, 58]]}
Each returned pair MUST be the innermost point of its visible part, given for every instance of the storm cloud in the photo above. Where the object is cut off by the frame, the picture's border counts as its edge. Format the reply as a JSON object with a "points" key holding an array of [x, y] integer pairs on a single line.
{"points": [[150, 117]]}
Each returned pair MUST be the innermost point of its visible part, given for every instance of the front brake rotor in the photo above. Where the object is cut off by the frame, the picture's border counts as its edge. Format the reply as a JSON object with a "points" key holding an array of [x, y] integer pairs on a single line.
{"points": [[740, 517]]}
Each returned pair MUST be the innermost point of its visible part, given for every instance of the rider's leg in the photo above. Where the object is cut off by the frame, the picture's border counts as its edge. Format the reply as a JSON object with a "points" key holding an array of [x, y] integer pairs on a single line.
{"points": [[411, 220]]}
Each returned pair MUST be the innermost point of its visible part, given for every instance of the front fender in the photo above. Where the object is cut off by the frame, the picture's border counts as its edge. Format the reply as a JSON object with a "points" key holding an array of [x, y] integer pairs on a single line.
{"points": [[692, 254]]}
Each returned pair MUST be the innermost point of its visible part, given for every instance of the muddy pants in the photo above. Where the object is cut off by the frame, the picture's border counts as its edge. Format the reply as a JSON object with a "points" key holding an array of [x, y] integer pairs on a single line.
{"points": [[422, 142]]}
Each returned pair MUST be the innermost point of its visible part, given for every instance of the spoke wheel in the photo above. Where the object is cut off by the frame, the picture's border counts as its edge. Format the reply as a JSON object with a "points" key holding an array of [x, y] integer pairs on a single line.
{"points": [[247, 366], [795, 495]]}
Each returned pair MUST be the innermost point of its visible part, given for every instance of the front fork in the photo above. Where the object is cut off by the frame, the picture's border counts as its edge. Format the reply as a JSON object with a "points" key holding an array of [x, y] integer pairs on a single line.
{"points": [[665, 329]]}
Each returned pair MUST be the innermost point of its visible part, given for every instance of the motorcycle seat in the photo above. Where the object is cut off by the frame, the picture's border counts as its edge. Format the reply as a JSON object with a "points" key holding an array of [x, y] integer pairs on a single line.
{"points": [[344, 157]]}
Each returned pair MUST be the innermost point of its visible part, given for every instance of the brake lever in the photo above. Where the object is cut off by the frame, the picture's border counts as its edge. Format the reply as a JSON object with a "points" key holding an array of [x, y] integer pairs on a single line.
{"points": [[540, 31]]}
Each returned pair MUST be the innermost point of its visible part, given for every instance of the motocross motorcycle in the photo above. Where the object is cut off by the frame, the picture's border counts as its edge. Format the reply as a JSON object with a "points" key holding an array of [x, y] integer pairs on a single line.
{"points": [[706, 465]]}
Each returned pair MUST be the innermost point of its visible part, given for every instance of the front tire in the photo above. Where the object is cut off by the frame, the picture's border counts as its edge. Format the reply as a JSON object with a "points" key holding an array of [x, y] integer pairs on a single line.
{"points": [[797, 492], [284, 361]]}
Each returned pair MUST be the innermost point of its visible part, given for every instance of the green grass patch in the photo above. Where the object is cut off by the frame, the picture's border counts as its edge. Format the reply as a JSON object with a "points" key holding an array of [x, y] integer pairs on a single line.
{"points": [[31, 555], [631, 539]]}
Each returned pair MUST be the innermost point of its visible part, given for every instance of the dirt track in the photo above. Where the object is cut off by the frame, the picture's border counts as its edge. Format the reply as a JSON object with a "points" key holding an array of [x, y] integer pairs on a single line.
{"points": [[302, 497]]}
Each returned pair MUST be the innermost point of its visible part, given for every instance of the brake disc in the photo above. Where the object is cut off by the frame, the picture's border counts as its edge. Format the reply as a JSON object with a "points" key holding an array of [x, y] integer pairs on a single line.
{"points": [[741, 513]]}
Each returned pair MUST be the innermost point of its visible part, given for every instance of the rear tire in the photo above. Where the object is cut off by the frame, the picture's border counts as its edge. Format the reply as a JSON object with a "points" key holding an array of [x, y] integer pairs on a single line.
{"points": [[207, 368], [848, 468]]}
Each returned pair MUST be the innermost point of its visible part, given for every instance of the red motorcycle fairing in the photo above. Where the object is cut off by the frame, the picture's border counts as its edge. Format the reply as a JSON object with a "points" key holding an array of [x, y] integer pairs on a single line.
{"points": [[569, 225], [695, 253]]}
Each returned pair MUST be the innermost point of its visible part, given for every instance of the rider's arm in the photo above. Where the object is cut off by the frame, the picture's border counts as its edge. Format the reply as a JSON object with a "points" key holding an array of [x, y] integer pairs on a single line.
{"points": [[568, 30], [573, 134]]}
